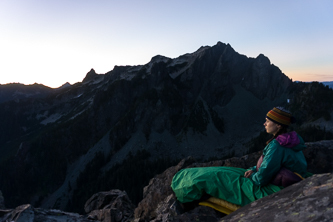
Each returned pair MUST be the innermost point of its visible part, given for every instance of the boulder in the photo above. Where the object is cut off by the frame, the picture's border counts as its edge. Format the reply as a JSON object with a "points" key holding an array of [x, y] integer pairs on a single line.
{"points": [[157, 191], [113, 205], [170, 210], [27, 213], [110, 206]]}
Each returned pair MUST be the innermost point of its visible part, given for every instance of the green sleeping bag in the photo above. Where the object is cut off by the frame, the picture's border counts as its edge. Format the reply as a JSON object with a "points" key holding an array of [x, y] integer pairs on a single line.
{"points": [[226, 183]]}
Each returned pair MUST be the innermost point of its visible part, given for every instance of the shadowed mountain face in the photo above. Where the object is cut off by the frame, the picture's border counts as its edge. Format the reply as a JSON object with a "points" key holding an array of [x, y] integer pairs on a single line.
{"points": [[203, 104]]}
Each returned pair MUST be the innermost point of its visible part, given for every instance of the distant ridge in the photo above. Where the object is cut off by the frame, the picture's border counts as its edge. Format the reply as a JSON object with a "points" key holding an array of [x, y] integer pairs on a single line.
{"points": [[17, 91], [326, 83], [329, 84]]}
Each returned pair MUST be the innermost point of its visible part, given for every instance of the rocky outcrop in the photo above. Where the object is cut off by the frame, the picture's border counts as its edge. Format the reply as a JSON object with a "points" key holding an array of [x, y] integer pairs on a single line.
{"points": [[308, 200], [159, 203], [319, 156], [159, 193], [27, 213], [157, 190], [110, 206], [90, 76]]}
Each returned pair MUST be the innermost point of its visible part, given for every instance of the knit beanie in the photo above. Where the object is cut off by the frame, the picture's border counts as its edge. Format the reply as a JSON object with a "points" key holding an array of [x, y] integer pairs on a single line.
{"points": [[280, 116]]}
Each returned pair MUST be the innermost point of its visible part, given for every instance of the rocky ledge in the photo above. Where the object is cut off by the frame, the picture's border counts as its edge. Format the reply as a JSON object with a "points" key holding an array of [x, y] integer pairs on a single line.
{"points": [[308, 200]]}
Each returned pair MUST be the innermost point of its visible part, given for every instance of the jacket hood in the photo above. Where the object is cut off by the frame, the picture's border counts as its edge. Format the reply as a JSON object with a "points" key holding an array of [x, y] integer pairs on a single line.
{"points": [[291, 140]]}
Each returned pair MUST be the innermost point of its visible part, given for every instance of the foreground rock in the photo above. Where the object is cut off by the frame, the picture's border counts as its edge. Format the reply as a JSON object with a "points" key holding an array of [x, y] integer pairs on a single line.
{"points": [[27, 213], [110, 206], [309, 200]]}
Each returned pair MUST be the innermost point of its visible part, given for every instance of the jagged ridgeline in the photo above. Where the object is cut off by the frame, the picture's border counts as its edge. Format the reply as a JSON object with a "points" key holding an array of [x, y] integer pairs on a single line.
{"points": [[117, 130]]}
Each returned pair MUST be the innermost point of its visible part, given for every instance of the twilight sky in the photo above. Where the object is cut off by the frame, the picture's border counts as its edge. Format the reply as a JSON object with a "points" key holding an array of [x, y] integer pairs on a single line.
{"points": [[56, 41]]}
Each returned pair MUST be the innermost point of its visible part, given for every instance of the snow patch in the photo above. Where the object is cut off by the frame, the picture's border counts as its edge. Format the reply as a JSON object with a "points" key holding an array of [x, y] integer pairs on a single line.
{"points": [[79, 113], [96, 81], [78, 96], [127, 76], [40, 116], [51, 119]]}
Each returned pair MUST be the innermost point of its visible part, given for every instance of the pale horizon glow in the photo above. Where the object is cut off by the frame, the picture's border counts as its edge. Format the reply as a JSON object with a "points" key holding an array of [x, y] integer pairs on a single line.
{"points": [[54, 42]]}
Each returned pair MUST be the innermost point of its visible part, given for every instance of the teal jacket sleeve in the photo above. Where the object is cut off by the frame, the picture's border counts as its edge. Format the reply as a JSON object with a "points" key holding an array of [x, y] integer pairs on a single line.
{"points": [[270, 166], [254, 168]]}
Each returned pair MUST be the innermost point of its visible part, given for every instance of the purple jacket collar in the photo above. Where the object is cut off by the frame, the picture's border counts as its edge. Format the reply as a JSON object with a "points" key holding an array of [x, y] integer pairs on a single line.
{"points": [[288, 139]]}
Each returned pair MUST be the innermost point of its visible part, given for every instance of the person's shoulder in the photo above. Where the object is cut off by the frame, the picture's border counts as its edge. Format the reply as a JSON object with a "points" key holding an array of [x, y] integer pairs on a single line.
{"points": [[274, 143], [272, 146]]}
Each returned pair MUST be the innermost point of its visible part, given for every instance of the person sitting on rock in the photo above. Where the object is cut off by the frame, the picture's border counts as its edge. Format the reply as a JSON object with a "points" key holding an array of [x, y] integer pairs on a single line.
{"points": [[281, 164]]}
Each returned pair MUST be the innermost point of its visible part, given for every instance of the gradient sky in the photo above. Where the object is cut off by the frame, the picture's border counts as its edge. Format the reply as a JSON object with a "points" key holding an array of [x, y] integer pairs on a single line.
{"points": [[56, 41]]}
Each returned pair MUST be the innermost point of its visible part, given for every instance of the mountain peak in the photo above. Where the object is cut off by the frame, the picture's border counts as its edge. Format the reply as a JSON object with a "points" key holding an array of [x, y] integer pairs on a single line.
{"points": [[65, 85], [90, 75], [159, 58], [263, 59]]}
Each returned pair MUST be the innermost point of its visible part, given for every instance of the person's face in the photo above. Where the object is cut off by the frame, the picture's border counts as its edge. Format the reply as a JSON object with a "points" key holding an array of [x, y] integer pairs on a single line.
{"points": [[271, 127]]}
